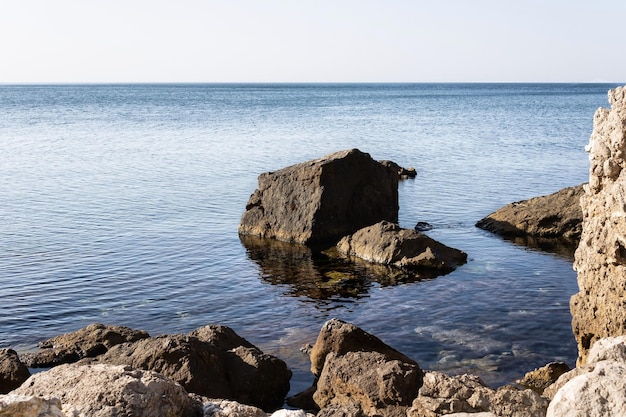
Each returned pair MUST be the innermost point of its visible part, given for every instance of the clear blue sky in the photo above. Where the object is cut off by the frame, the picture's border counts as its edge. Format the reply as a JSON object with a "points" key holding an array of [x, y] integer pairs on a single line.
{"points": [[312, 41]]}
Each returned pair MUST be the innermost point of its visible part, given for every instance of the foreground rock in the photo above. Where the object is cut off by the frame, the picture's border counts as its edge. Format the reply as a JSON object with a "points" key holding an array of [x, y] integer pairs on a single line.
{"points": [[442, 395], [12, 371], [541, 378], [322, 200], [389, 244], [360, 375], [558, 215], [598, 309], [88, 342], [595, 389], [14, 405], [111, 391], [212, 362]]}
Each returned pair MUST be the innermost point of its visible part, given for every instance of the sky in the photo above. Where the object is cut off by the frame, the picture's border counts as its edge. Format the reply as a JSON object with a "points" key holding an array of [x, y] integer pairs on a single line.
{"points": [[102, 41]]}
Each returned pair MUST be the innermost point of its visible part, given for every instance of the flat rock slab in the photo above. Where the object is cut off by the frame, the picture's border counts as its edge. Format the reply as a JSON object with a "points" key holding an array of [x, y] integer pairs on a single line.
{"points": [[558, 215], [387, 243], [322, 200]]}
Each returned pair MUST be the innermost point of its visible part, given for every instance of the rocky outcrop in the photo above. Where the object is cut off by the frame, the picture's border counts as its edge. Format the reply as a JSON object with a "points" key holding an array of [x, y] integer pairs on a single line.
{"points": [[12, 371], [212, 362], [447, 395], [13, 405], [111, 391], [88, 342], [389, 244], [322, 200], [595, 389], [598, 309], [558, 215]]}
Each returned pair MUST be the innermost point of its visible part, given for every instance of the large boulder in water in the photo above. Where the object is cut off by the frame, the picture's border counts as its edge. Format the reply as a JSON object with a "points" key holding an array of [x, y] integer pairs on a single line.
{"points": [[389, 244], [558, 215], [322, 200], [598, 309]]}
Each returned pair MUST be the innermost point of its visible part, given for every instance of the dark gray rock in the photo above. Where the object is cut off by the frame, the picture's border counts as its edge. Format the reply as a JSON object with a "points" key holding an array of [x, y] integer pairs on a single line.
{"points": [[322, 200]]}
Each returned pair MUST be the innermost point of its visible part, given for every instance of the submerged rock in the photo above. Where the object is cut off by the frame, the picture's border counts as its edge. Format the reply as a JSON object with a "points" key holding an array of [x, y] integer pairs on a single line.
{"points": [[87, 342], [598, 309], [387, 243], [558, 215], [322, 200], [12, 371]]}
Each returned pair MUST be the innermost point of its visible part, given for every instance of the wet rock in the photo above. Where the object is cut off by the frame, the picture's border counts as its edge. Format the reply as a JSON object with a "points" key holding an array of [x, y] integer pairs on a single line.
{"points": [[423, 226], [88, 342], [558, 215], [598, 309], [111, 391], [12, 371], [387, 243], [322, 200], [403, 173], [443, 395], [242, 373], [13, 405], [541, 378]]}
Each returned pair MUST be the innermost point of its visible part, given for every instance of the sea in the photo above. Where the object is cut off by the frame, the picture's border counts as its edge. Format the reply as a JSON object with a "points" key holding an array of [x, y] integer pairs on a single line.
{"points": [[119, 204]]}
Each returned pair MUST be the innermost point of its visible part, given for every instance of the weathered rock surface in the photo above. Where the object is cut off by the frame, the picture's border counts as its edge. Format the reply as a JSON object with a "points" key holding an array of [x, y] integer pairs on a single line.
{"points": [[322, 200], [598, 309], [403, 173], [597, 388], [340, 337], [87, 342], [13, 405], [541, 378], [443, 395], [387, 243], [12, 371], [370, 380], [359, 375], [227, 408], [111, 391], [558, 215], [223, 365]]}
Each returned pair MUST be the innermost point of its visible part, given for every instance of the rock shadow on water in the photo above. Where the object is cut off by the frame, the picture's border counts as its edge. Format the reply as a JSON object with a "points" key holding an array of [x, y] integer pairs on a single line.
{"points": [[321, 273]]}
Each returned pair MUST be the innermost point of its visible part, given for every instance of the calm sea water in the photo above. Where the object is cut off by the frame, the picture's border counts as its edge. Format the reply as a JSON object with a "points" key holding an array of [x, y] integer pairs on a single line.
{"points": [[120, 204]]}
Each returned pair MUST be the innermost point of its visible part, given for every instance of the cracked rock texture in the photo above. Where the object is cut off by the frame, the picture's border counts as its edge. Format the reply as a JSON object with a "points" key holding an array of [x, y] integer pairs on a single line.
{"points": [[599, 308]]}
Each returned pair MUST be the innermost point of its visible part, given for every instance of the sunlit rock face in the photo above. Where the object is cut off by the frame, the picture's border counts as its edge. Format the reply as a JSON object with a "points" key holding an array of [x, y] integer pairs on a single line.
{"points": [[599, 308], [322, 200]]}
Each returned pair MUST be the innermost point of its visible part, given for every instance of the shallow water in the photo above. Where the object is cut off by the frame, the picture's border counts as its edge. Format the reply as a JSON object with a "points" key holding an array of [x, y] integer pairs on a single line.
{"points": [[120, 204]]}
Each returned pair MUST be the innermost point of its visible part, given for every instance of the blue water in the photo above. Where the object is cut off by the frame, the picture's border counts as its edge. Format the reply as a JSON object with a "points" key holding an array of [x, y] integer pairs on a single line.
{"points": [[120, 204]]}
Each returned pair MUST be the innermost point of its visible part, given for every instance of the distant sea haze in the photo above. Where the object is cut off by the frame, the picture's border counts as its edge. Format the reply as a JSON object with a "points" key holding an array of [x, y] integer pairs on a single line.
{"points": [[120, 205]]}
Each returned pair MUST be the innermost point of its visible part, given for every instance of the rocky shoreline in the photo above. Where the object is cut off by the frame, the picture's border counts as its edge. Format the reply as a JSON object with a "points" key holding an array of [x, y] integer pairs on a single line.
{"points": [[105, 370]]}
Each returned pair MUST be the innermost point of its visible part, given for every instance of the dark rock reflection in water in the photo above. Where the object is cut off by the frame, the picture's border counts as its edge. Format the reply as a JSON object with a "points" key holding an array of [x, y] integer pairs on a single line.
{"points": [[321, 273]]}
